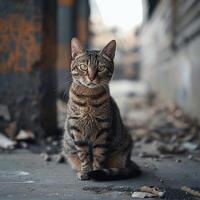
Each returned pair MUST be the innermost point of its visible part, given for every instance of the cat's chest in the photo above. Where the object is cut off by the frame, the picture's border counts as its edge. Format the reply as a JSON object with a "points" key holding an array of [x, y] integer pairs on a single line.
{"points": [[91, 108], [89, 115]]}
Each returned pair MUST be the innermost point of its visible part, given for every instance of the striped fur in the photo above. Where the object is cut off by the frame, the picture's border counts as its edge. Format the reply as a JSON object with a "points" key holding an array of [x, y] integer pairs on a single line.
{"points": [[96, 142]]}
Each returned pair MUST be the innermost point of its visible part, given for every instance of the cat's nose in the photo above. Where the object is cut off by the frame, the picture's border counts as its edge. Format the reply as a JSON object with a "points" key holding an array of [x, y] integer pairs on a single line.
{"points": [[91, 74]]}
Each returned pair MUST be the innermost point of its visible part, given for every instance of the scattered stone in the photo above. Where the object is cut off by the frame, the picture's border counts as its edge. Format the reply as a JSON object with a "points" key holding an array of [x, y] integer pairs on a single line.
{"points": [[24, 145], [55, 143], [60, 158], [191, 191], [49, 149], [170, 148], [166, 124], [11, 130], [190, 146], [46, 157], [190, 157], [148, 155], [153, 190], [142, 195], [49, 139], [6, 143], [4, 112], [42, 154], [25, 135], [196, 158]]}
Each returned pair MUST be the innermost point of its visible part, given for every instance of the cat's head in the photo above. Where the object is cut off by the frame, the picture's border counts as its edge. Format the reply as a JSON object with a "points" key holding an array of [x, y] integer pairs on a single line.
{"points": [[92, 68]]}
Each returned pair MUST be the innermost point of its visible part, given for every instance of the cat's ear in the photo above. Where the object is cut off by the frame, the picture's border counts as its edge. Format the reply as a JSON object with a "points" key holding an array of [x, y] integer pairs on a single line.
{"points": [[109, 49], [76, 48]]}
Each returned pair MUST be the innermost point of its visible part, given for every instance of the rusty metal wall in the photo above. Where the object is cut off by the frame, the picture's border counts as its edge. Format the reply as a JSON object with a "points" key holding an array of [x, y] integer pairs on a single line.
{"points": [[35, 56], [27, 63]]}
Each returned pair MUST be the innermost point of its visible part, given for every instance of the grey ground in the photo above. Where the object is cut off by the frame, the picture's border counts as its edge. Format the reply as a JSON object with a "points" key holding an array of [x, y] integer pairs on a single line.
{"points": [[24, 175]]}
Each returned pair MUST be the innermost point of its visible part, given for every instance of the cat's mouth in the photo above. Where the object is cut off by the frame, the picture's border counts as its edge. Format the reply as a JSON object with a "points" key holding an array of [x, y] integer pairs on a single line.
{"points": [[91, 84]]}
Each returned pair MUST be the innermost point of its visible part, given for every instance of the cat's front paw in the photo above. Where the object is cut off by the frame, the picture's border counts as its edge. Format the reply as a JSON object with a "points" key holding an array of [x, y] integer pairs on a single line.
{"points": [[83, 176]]}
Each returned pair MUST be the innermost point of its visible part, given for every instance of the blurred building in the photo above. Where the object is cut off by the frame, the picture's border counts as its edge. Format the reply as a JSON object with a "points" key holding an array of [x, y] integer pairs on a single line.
{"points": [[102, 30], [170, 46]]}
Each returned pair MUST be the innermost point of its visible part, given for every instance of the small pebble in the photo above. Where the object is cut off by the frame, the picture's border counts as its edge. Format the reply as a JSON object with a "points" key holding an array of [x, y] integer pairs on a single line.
{"points": [[24, 145], [49, 139], [55, 143], [46, 157], [147, 165], [48, 149], [60, 158]]}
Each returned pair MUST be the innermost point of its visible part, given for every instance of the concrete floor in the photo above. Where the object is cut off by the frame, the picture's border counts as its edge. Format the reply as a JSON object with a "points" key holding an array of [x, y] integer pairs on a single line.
{"points": [[24, 175]]}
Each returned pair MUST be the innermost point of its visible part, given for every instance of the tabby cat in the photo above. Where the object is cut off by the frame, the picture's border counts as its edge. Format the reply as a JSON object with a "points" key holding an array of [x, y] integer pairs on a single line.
{"points": [[96, 143]]}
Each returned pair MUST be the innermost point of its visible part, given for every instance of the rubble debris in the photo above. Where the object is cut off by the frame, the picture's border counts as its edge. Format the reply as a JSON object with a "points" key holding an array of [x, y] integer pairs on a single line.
{"points": [[137, 119], [164, 123], [196, 158], [178, 161], [6, 143], [148, 155], [190, 146], [4, 113], [153, 190], [46, 157], [60, 158], [24, 145], [190, 157], [25, 135], [190, 191], [49, 149], [55, 143], [170, 148], [142, 195], [11, 130], [49, 139]]}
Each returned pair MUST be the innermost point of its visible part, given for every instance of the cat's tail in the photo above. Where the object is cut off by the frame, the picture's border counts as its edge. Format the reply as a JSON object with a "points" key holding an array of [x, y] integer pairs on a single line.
{"points": [[131, 171]]}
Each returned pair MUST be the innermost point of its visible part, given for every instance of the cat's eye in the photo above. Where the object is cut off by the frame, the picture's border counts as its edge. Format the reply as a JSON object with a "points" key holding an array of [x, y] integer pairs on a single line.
{"points": [[83, 67], [101, 68]]}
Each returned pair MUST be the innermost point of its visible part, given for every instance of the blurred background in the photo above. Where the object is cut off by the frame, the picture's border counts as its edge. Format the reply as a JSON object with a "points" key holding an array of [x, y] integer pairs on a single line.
{"points": [[156, 79], [156, 85]]}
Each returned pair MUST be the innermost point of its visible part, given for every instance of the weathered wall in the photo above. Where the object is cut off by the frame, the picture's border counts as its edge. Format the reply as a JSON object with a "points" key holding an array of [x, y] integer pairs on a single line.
{"points": [[35, 38], [170, 50], [27, 64]]}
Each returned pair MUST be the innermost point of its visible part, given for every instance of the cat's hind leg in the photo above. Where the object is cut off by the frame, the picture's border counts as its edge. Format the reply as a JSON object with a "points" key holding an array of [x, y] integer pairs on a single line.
{"points": [[74, 161]]}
